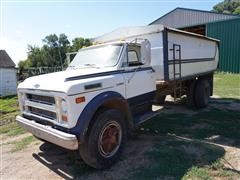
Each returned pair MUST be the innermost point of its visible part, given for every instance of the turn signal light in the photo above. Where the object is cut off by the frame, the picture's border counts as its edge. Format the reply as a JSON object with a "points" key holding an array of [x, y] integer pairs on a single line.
{"points": [[64, 118], [80, 100]]}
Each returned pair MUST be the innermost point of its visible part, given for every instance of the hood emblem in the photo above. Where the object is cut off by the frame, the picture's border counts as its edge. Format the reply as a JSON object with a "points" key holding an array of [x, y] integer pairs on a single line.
{"points": [[36, 85]]}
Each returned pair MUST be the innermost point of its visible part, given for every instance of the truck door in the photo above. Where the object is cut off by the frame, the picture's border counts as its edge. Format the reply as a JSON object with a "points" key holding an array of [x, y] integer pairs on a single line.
{"points": [[139, 79]]}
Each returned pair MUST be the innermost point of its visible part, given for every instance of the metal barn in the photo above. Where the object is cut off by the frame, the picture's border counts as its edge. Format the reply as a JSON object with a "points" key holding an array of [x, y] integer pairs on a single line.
{"points": [[225, 27], [8, 79]]}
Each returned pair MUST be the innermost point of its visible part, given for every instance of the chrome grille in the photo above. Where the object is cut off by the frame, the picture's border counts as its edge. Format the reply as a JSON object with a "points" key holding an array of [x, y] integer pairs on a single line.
{"points": [[41, 107], [41, 99], [43, 113]]}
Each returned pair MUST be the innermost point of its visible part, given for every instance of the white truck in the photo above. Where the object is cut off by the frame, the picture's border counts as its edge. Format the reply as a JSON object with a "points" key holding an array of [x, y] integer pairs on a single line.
{"points": [[109, 89]]}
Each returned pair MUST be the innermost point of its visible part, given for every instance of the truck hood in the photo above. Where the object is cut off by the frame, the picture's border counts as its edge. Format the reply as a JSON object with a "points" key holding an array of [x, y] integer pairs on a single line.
{"points": [[65, 81]]}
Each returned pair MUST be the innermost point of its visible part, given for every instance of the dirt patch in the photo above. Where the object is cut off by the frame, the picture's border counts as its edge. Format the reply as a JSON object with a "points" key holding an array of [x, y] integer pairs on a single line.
{"points": [[232, 158], [133, 158], [51, 162], [30, 167], [44, 159]]}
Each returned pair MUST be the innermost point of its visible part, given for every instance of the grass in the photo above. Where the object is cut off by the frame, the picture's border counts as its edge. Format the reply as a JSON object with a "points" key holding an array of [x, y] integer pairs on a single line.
{"points": [[179, 159], [207, 172], [8, 109], [12, 129], [227, 85], [8, 104], [23, 143], [185, 153], [199, 126], [197, 174]]}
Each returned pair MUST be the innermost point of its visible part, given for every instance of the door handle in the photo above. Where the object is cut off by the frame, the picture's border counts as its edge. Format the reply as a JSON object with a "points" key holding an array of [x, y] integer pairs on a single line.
{"points": [[133, 74], [152, 71]]}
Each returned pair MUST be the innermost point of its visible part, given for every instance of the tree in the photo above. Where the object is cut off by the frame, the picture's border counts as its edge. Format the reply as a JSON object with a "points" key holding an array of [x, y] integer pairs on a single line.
{"points": [[228, 6], [79, 43], [22, 65], [63, 41], [56, 47], [237, 10], [36, 56], [53, 52], [50, 40]]}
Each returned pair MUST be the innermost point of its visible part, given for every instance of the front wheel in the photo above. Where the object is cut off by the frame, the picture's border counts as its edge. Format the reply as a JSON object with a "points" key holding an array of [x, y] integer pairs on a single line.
{"points": [[105, 141]]}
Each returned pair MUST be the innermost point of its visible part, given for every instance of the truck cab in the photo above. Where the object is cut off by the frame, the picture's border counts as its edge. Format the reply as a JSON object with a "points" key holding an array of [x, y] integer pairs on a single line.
{"points": [[112, 79]]}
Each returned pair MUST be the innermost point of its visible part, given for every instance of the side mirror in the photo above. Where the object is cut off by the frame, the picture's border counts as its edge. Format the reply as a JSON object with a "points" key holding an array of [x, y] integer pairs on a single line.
{"points": [[146, 52]]}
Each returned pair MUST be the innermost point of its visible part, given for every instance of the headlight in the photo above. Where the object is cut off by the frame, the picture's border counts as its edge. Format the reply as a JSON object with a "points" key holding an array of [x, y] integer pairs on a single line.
{"points": [[62, 110], [64, 106], [21, 100]]}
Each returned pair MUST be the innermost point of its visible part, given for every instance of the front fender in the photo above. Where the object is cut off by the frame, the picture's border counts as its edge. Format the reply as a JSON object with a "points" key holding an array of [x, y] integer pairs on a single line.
{"points": [[86, 115]]}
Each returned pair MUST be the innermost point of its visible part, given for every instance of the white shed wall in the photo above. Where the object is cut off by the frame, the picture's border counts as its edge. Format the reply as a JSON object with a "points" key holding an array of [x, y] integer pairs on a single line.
{"points": [[8, 81]]}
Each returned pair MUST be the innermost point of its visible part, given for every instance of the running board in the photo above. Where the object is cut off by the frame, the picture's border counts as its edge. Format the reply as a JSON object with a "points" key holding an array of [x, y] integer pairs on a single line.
{"points": [[139, 119]]}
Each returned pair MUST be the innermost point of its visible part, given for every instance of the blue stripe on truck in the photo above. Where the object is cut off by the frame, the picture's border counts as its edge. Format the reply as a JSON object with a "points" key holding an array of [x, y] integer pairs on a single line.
{"points": [[138, 68]]}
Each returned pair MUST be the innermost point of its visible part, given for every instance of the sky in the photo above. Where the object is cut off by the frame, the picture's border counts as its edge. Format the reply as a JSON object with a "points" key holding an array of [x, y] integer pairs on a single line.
{"points": [[24, 22]]}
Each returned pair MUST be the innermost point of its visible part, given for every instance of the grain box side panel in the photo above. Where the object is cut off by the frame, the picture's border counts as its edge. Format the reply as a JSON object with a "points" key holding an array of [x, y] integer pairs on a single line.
{"points": [[198, 55]]}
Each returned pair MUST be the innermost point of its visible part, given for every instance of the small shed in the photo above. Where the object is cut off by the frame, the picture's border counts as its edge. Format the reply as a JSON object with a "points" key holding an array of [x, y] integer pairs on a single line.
{"points": [[8, 78]]}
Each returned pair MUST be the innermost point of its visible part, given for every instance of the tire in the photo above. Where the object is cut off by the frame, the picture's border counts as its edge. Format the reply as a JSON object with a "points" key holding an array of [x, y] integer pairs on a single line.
{"points": [[202, 93], [108, 124], [191, 93], [178, 94], [161, 100]]}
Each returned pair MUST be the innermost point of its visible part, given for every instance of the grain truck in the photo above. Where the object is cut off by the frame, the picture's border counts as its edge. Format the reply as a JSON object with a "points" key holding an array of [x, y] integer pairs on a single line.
{"points": [[109, 89]]}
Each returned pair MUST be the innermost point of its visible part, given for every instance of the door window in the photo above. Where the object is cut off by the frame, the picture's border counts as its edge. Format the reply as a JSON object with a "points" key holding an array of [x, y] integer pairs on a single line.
{"points": [[133, 56]]}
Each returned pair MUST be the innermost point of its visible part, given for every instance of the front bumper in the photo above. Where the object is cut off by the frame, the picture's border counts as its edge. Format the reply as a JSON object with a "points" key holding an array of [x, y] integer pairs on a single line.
{"points": [[68, 141]]}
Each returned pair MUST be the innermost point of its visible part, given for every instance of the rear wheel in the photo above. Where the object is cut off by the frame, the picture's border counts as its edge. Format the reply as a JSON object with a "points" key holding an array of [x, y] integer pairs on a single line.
{"points": [[202, 93], [160, 99], [191, 92], [106, 139]]}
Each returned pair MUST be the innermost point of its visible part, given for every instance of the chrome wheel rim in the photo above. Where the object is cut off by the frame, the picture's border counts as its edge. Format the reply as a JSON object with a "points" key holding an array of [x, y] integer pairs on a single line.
{"points": [[110, 139]]}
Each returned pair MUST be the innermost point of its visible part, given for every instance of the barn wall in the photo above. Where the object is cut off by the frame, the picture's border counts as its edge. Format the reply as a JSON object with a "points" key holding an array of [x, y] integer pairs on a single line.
{"points": [[228, 32], [8, 81]]}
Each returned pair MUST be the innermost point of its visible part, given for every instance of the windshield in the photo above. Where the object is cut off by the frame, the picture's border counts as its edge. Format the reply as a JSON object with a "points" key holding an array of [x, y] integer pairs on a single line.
{"points": [[101, 56]]}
